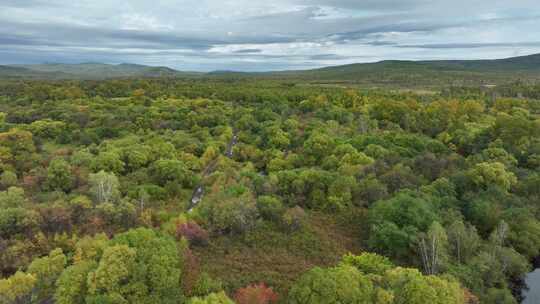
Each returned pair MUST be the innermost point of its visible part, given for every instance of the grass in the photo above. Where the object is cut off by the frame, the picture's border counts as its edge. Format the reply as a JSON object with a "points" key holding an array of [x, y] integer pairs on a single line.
{"points": [[271, 255]]}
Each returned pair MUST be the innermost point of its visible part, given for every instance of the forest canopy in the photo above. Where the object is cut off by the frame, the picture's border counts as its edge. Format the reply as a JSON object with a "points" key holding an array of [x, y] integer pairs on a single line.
{"points": [[265, 191]]}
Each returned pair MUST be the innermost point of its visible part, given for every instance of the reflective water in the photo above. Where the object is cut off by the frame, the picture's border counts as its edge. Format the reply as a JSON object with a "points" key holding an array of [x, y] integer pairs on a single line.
{"points": [[532, 293]]}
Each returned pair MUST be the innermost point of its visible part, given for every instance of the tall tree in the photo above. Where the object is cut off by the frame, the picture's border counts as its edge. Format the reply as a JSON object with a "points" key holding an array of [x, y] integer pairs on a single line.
{"points": [[433, 247], [104, 186]]}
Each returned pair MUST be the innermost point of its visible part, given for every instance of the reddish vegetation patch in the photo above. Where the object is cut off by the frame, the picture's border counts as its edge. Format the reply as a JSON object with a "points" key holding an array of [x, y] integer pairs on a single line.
{"points": [[276, 257], [256, 294], [194, 233]]}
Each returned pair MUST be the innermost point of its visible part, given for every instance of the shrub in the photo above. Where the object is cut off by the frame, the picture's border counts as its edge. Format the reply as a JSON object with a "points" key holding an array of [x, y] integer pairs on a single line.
{"points": [[59, 175], [255, 294], [191, 272], [231, 213], [8, 179], [194, 233], [270, 207], [213, 298], [206, 285], [294, 218], [344, 284]]}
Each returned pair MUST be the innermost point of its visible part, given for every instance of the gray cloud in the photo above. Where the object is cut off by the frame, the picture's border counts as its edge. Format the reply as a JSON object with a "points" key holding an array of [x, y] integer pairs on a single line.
{"points": [[333, 57], [471, 45], [375, 5], [381, 43], [243, 34], [25, 3], [248, 51]]}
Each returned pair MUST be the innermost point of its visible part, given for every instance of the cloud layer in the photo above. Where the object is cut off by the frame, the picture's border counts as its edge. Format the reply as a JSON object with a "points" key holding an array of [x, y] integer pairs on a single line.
{"points": [[253, 35]]}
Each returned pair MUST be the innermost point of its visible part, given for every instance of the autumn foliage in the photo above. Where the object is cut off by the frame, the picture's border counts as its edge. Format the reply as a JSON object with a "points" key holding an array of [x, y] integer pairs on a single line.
{"points": [[194, 233], [256, 294]]}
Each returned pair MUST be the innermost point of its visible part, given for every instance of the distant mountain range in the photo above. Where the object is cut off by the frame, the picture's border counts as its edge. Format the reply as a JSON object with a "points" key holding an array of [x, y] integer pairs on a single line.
{"points": [[426, 73], [383, 72], [87, 71]]}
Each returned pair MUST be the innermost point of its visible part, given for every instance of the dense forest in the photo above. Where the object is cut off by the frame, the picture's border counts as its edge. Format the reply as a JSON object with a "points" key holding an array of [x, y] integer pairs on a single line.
{"points": [[266, 191]]}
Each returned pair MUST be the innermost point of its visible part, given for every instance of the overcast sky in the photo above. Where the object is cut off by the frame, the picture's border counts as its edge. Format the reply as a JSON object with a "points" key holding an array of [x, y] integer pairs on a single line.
{"points": [[256, 35]]}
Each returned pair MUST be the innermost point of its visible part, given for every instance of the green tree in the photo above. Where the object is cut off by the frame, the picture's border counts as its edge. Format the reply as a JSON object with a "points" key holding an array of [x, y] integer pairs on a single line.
{"points": [[499, 296], [486, 174], [409, 286], [368, 263], [213, 298], [170, 171], [138, 266], [405, 209], [59, 176], [90, 248], [396, 222], [13, 197], [72, 283], [229, 212], [8, 179], [318, 146], [17, 148], [389, 239], [136, 157], [370, 190], [270, 207], [46, 270], [17, 289], [15, 221], [343, 284], [524, 233], [157, 266], [113, 275], [109, 161], [277, 138], [47, 128]]}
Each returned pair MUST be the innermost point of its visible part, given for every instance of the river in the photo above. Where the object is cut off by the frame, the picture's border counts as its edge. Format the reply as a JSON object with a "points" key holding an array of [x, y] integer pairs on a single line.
{"points": [[531, 293]]}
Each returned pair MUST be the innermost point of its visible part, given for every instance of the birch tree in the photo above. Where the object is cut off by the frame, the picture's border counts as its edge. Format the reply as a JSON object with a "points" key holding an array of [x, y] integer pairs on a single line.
{"points": [[463, 241], [104, 186], [433, 248]]}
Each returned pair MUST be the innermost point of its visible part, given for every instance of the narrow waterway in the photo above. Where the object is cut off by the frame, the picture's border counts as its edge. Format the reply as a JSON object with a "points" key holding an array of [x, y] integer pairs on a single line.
{"points": [[198, 193], [531, 292]]}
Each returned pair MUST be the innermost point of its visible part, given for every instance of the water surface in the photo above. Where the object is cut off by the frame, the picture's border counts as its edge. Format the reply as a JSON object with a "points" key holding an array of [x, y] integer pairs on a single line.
{"points": [[532, 294]]}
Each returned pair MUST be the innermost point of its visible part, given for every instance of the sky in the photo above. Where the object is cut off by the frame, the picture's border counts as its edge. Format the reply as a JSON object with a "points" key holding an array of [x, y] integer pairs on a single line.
{"points": [[256, 35]]}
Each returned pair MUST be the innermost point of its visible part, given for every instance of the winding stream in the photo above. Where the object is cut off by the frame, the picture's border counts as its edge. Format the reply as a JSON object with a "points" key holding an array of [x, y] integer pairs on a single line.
{"points": [[198, 194]]}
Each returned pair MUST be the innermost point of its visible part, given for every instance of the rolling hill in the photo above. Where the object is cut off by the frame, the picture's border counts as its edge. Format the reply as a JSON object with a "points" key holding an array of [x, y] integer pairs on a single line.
{"points": [[384, 73], [411, 73], [89, 71], [25, 73]]}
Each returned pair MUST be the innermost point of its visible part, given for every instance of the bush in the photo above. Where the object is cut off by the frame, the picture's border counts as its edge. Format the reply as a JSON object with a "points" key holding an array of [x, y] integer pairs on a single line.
{"points": [[8, 179], [270, 208], [206, 285], [121, 215], [255, 294], [344, 284], [213, 298], [194, 233], [12, 198], [59, 175], [231, 212], [294, 218], [368, 263], [15, 221]]}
